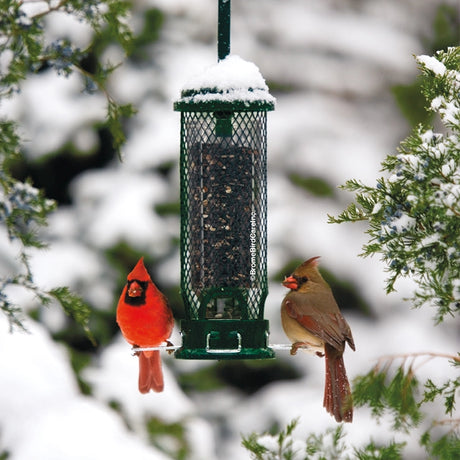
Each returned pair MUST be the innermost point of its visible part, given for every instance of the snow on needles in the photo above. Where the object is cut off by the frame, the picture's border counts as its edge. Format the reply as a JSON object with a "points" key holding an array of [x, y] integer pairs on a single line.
{"points": [[432, 64]]}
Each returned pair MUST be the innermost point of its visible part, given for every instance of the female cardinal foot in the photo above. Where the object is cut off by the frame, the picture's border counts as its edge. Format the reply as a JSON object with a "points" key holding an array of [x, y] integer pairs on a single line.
{"points": [[146, 321], [310, 316]]}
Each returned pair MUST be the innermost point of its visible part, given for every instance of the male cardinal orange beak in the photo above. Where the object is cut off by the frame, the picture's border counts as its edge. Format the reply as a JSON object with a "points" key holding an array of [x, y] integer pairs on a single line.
{"points": [[134, 290]]}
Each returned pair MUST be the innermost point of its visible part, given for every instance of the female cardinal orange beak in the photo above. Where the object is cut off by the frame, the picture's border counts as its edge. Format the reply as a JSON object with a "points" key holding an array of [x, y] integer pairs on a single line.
{"points": [[290, 282]]}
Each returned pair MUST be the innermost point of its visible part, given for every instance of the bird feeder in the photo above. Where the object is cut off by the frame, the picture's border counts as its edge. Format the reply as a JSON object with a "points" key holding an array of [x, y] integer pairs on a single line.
{"points": [[224, 208]]}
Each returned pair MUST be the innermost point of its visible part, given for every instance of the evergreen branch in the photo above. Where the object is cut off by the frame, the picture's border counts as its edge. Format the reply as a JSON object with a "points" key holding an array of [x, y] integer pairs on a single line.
{"points": [[23, 208], [50, 9], [115, 112], [378, 452], [74, 306], [412, 213], [446, 447], [324, 446], [399, 393]]}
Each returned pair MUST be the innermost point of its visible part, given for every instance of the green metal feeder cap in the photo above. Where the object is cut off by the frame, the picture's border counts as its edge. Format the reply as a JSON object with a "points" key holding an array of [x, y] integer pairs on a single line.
{"points": [[232, 84]]}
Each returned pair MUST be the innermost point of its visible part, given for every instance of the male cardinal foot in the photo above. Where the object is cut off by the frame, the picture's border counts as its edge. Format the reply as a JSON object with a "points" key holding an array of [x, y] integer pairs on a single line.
{"points": [[169, 344], [135, 353]]}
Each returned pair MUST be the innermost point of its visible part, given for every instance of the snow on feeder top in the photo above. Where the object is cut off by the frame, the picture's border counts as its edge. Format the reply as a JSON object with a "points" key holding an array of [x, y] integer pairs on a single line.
{"points": [[224, 212], [232, 84]]}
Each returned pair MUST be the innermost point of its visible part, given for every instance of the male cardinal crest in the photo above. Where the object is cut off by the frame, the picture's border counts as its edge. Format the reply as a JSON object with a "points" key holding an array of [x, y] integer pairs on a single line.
{"points": [[145, 321], [310, 317]]}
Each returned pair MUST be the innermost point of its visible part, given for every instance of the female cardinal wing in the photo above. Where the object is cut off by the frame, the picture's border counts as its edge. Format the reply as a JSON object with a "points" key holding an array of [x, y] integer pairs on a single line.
{"points": [[319, 314]]}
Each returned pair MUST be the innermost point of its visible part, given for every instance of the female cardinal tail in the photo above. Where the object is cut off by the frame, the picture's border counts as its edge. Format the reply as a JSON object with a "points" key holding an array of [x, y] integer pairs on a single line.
{"points": [[337, 393], [150, 372]]}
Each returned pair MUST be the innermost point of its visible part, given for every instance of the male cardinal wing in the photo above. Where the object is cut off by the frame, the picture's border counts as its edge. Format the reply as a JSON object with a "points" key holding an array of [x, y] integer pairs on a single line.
{"points": [[325, 322]]}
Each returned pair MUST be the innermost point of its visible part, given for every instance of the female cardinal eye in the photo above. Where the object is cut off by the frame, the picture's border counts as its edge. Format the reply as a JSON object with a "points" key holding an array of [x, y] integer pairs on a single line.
{"points": [[302, 280]]}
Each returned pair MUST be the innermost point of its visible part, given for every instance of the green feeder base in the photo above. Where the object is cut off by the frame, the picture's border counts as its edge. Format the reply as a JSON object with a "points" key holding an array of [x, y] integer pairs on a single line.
{"points": [[224, 339]]}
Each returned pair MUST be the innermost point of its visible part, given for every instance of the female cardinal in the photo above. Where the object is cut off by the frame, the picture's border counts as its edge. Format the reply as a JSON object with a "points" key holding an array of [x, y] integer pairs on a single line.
{"points": [[145, 321], [310, 317]]}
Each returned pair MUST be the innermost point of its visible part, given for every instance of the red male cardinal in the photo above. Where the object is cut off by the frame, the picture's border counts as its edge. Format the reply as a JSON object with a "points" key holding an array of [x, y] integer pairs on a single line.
{"points": [[311, 317], [145, 320]]}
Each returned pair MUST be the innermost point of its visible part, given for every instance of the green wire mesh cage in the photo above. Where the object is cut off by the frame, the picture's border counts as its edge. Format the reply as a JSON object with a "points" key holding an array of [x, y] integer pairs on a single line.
{"points": [[224, 218]]}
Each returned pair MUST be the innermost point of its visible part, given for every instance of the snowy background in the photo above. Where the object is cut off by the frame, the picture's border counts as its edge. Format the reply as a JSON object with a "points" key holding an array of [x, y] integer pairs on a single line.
{"points": [[331, 65]]}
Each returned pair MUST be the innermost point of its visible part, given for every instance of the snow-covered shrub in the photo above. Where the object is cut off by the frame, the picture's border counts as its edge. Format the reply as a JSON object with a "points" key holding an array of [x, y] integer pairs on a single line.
{"points": [[414, 211]]}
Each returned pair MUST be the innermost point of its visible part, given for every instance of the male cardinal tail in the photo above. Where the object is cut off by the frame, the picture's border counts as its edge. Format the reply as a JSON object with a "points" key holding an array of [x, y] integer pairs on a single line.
{"points": [[337, 393], [150, 373]]}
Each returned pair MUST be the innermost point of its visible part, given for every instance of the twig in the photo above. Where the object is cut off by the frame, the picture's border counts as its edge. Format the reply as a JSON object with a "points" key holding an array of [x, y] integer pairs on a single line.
{"points": [[388, 359], [454, 423]]}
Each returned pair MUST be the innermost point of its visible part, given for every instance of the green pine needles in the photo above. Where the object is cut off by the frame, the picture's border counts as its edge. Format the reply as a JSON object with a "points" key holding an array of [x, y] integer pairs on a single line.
{"points": [[413, 212], [325, 446], [414, 224], [24, 50]]}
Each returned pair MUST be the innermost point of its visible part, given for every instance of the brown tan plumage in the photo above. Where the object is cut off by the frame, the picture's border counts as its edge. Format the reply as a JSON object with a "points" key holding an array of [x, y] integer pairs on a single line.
{"points": [[310, 317]]}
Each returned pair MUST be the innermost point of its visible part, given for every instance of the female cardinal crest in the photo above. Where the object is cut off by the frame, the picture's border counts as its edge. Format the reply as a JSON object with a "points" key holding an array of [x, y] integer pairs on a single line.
{"points": [[145, 320]]}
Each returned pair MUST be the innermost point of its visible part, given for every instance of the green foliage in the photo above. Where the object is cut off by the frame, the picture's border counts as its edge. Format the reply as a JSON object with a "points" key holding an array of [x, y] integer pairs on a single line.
{"points": [[314, 185], [409, 97], [25, 49], [413, 215], [203, 379], [23, 210], [281, 446], [445, 447], [411, 103], [413, 212], [324, 446], [79, 362], [394, 393], [28, 51], [448, 390], [399, 393], [115, 115], [413, 224], [150, 33], [327, 445], [446, 27], [171, 208], [393, 451], [169, 438]]}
